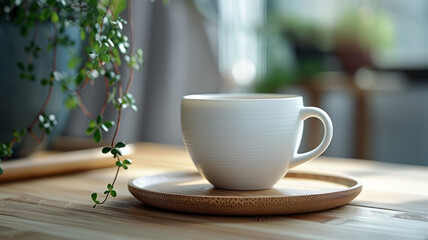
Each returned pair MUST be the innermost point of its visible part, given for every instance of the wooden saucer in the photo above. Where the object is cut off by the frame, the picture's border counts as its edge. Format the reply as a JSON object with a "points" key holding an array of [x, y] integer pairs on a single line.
{"points": [[298, 192]]}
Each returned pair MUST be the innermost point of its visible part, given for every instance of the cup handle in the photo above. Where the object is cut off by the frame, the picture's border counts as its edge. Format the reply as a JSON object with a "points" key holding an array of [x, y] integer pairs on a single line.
{"points": [[308, 112]]}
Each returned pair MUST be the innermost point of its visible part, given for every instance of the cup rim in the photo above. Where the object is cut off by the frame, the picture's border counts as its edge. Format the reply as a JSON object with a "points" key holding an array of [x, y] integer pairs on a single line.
{"points": [[240, 96]]}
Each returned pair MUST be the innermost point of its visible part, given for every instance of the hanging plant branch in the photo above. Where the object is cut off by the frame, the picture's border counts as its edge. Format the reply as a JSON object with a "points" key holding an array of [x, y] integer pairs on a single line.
{"points": [[106, 96], [102, 28], [46, 122], [125, 100]]}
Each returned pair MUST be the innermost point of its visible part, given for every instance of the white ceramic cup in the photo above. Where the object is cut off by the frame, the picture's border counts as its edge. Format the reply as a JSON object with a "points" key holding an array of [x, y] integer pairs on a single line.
{"points": [[248, 141]]}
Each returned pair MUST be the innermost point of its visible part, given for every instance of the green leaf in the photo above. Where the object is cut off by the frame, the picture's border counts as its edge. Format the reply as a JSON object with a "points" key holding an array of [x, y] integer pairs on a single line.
{"points": [[21, 66], [135, 108], [114, 151], [106, 149], [54, 17], [140, 52], [71, 102], [104, 48], [18, 139], [140, 56], [103, 72], [94, 197], [120, 145], [74, 61], [90, 130], [135, 66], [111, 95], [80, 77], [130, 97], [104, 57], [127, 161], [94, 73], [119, 152], [125, 167], [99, 120], [41, 117], [109, 124], [89, 50], [117, 6], [44, 81], [46, 13], [30, 67], [97, 45], [120, 25], [97, 136], [106, 191], [104, 127], [116, 56], [113, 193], [119, 163], [95, 65], [110, 42], [58, 76], [109, 186], [92, 123], [82, 34], [1, 171], [122, 49]]}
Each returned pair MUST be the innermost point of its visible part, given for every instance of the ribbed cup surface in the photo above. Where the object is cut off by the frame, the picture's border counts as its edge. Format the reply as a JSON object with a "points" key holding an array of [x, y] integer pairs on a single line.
{"points": [[242, 143]]}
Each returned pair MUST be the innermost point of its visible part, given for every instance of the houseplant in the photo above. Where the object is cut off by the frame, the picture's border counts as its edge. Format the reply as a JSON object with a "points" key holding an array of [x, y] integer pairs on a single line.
{"points": [[101, 30]]}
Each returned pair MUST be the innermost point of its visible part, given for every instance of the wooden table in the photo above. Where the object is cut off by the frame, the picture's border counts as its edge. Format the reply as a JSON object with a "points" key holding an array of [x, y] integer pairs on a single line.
{"points": [[392, 205]]}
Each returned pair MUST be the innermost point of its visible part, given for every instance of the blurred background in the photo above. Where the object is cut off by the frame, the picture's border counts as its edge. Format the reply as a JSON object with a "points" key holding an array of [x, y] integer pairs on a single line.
{"points": [[364, 62]]}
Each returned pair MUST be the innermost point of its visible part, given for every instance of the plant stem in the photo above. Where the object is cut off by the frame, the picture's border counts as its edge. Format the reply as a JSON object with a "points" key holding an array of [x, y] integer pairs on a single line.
{"points": [[119, 117], [84, 82], [48, 97], [119, 114], [107, 94], [38, 140], [77, 92], [81, 105], [116, 68], [102, 19], [45, 103], [112, 184], [42, 109], [131, 47]]}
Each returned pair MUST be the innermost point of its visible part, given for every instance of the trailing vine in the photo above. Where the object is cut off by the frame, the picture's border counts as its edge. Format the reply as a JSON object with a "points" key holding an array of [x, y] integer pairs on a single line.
{"points": [[107, 49]]}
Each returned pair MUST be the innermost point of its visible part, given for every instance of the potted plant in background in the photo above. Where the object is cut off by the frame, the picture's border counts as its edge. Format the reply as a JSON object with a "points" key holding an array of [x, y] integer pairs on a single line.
{"points": [[299, 47], [358, 33], [52, 32]]}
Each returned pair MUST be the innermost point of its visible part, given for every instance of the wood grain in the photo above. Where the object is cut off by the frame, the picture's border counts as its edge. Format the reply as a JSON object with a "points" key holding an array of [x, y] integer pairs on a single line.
{"points": [[54, 164], [393, 205], [298, 192]]}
